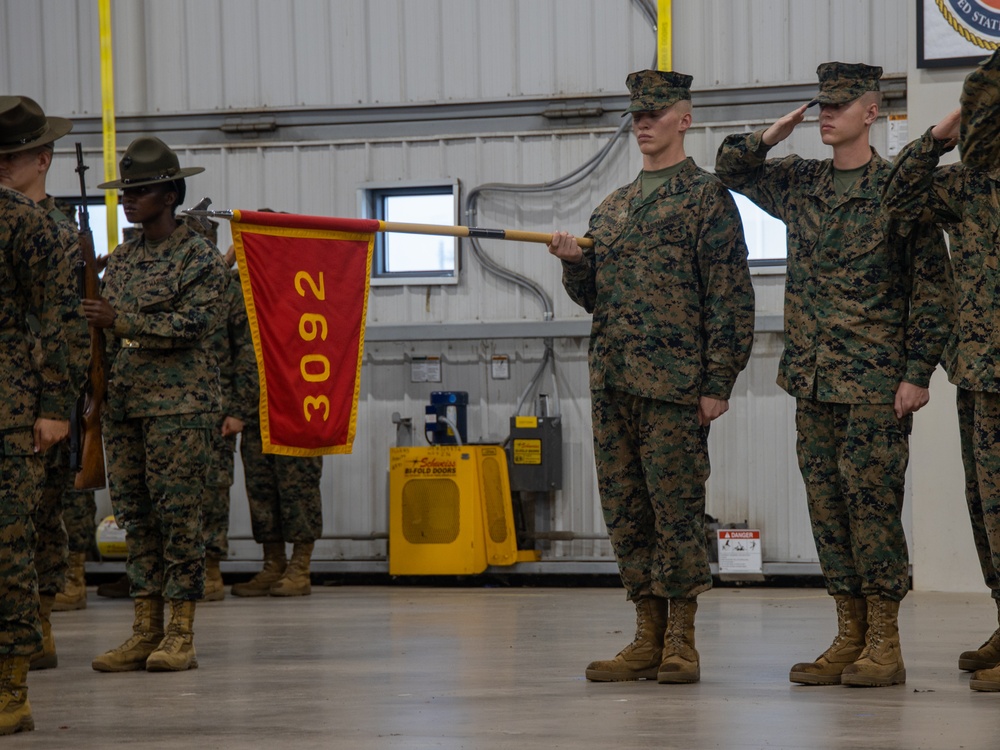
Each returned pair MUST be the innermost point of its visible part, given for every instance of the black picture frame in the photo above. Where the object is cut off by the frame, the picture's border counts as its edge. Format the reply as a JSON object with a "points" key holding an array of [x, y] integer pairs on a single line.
{"points": [[924, 61]]}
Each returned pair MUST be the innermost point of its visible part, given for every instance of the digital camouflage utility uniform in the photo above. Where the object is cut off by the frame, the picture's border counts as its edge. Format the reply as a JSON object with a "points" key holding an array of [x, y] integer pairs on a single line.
{"points": [[163, 403], [965, 200], [283, 491], [51, 533], [238, 371], [866, 307], [669, 288], [30, 388]]}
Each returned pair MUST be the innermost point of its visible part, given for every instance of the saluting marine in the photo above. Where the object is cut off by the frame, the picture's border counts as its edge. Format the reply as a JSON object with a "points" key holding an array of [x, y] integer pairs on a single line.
{"points": [[867, 313], [965, 200]]}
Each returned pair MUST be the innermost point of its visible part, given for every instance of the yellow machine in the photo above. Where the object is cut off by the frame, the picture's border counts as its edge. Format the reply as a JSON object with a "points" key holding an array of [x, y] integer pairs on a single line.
{"points": [[450, 510], [111, 539]]}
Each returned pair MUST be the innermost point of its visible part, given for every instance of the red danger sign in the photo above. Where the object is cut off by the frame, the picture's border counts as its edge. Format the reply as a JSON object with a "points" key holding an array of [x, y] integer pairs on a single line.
{"points": [[738, 534]]}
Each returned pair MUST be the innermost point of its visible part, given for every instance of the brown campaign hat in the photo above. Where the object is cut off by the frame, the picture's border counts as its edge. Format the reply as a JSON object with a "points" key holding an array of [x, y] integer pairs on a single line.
{"points": [[653, 90], [840, 83], [148, 160], [23, 125]]}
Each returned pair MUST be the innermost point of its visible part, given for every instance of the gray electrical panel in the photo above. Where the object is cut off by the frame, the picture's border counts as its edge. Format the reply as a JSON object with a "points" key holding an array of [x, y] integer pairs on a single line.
{"points": [[534, 454]]}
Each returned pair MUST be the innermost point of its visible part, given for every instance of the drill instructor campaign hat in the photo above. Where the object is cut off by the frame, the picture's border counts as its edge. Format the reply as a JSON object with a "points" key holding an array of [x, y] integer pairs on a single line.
{"points": [[148, 160], [653, 90], [840, 83], [23, 125], [979, 127]]}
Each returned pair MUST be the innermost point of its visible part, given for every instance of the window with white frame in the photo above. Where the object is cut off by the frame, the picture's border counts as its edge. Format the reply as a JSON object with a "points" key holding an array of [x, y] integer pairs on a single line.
{"points": [[405, 258], [767, 237], [98, 212]]}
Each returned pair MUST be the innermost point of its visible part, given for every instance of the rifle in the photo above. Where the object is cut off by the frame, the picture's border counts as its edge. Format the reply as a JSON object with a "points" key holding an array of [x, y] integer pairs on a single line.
{"points": [[86, 452]]}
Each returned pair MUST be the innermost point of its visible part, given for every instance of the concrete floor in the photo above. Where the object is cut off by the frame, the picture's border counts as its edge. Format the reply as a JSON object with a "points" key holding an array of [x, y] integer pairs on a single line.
{"points": [[402, 667]]}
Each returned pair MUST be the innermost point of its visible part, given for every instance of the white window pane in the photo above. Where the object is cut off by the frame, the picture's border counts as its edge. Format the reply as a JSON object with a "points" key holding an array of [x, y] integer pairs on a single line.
{"points": [[766, 236], [99, 226], [419, 252]]}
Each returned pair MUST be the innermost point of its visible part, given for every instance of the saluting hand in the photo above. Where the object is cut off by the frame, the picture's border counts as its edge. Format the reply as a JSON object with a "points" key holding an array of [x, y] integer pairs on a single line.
{"points": [[947, 129], [783, 128], [99, 312], [564, 247]]}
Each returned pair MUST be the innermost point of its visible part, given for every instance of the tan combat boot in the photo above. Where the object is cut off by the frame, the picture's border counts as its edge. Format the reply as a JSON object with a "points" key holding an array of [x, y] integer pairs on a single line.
{"points": [[295, 582], [986, 680], [986, 656], [176, 651], [74, 594], [640, 659], [852, 624], [15, 710], [881, 661], [147, 632], [274, 567], [680, 659], [214, 590], [45, 657]]}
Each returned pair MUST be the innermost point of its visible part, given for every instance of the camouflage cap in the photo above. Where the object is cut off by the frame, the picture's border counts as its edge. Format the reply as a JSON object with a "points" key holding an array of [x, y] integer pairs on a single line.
{"points": [[653, 90], [840, 83], [23, 125], [979, 128]]}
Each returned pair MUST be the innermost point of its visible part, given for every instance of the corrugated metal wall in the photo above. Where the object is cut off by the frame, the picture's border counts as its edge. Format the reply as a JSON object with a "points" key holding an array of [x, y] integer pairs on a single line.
{"points": [[182, 56], [206, 55]]}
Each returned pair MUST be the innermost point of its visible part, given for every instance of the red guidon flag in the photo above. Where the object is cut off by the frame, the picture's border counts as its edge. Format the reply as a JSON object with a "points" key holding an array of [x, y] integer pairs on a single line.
{"points": [[305, 284]]}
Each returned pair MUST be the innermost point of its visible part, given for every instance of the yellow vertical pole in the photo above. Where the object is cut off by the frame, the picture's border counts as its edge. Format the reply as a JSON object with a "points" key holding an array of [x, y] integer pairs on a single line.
{"points": [[664, 36], [108, 119]]}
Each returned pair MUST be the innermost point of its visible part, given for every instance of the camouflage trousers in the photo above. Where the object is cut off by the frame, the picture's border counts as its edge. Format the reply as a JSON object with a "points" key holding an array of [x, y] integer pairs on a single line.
{"points": [[283, 492], [979, 428], [51, 541], [64, 521], [652, 465], [21, 477], [79, 511], [157, 472], [215, 507], [853, 460]]}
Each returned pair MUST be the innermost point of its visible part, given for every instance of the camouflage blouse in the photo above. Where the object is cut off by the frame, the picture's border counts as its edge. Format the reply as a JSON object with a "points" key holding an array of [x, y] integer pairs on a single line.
{"points": [[966, 202], [867, 304], [29, 387], [669, 288], [169, 299]]}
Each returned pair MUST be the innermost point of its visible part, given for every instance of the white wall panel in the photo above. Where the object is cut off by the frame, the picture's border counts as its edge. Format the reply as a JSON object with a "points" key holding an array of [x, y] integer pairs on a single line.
{"points": [[736, 43], [180, 56]]}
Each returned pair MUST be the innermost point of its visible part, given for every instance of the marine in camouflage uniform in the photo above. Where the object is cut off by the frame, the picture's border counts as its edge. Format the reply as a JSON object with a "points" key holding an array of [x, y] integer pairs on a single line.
{"points": [[867, 313], [163, 299], [238, 372], [70, 512], [285, 503], [965, 200], [24, 169], [673, 309], [34, 399]]}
